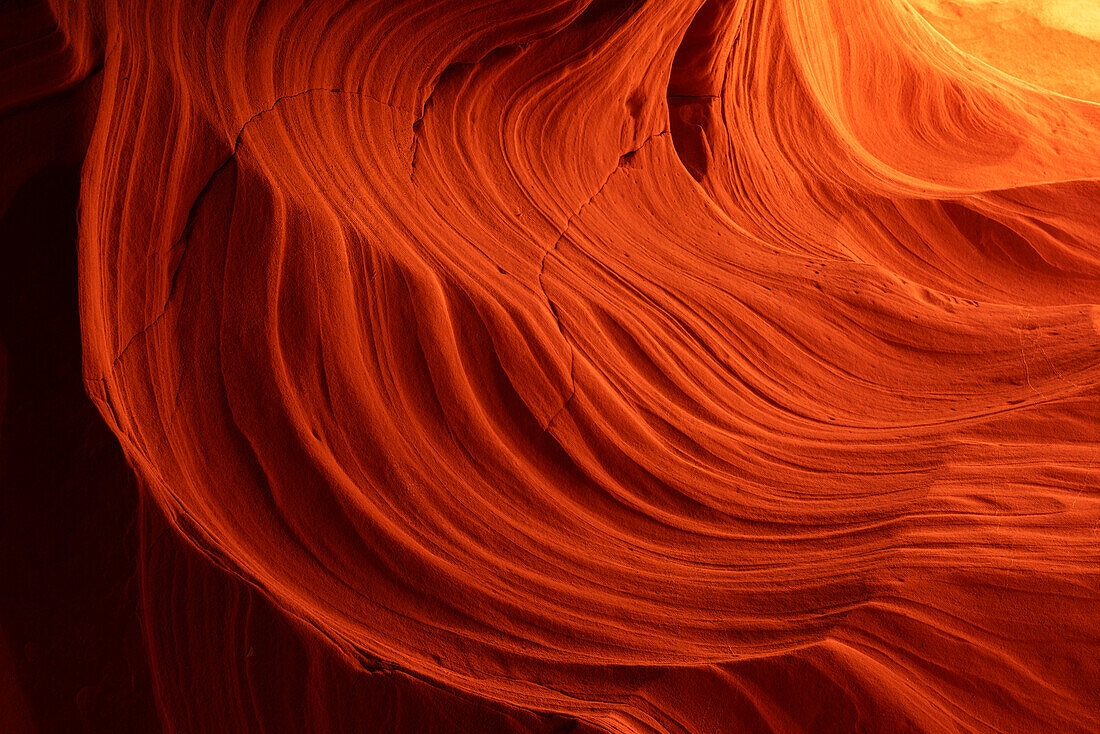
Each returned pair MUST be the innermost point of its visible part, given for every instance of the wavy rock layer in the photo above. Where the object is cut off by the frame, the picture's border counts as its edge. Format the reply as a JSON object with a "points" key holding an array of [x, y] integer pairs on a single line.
{"points": [[664, 366]]}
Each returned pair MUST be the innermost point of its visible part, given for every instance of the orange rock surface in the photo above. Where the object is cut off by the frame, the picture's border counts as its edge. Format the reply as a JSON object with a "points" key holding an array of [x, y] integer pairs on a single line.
{"points": [[630, 366]]}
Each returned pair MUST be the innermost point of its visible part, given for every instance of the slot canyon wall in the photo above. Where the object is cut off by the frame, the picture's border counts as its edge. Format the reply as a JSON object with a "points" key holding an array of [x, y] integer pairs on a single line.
{"points": [[625, 366]]}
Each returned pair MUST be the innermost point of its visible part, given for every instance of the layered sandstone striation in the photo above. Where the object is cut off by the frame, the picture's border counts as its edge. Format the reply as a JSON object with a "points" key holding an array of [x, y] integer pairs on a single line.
{"points": [[660, 366]]}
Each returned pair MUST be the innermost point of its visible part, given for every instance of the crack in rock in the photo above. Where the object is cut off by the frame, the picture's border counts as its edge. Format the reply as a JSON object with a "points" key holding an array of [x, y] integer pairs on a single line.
{"points": [[624, 159], [189, 219]]}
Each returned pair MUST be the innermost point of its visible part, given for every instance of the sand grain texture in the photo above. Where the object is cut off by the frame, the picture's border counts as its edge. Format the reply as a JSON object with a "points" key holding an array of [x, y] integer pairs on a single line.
{"points": [[676, 366]]}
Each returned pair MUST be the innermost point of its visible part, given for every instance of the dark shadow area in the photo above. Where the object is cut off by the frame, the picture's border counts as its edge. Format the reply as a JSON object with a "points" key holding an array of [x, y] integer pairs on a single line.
{"points": [[68, 582]]}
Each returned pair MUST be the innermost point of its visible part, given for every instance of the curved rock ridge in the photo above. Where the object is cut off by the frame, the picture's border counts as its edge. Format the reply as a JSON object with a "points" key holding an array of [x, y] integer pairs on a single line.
{"points": [[1052, 43], [643, 366]]}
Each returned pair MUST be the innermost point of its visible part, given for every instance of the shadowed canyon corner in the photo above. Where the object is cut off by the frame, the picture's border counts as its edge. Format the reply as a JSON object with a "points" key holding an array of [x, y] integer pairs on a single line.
{"points": [[593, 366]]}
